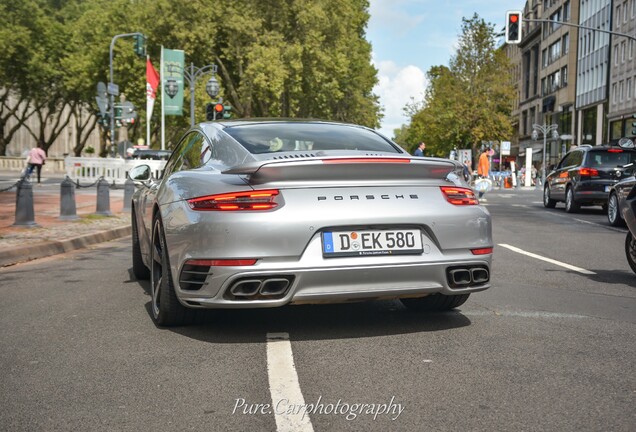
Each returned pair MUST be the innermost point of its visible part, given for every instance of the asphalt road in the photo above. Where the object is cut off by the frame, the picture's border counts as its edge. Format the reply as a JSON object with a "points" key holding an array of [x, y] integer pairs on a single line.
{"points": [[547, 348]]}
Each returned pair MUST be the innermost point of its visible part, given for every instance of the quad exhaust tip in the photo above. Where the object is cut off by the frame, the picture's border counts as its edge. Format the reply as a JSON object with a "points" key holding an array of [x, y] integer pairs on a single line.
{"points": [[464, 277], [260, 288]]}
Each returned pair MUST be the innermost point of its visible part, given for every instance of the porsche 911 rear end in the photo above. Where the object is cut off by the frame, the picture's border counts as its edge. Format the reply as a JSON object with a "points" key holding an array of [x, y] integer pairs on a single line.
{"points": [[325, 231]]}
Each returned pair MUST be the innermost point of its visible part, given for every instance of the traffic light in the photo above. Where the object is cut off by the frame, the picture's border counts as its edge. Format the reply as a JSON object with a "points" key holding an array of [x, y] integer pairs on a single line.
{"points": [[513, 27], [217, 111], [140, 45], [634, 124], [227, 111]]}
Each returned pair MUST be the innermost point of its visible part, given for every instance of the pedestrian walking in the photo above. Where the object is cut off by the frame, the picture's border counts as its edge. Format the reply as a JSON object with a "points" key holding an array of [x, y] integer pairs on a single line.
{"points": [[419, 151], [483, 170], [35, 160]]}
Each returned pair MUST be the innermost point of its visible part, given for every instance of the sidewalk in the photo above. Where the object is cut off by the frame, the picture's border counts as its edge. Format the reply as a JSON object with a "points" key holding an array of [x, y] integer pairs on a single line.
{"points": [[51, 235]]}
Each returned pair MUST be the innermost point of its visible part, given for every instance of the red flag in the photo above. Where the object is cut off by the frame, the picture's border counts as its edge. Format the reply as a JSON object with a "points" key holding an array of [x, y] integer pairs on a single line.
{"points": [[152, 80]]}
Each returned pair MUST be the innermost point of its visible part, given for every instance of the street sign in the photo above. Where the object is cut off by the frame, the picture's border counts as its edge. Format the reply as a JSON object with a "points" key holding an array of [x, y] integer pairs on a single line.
{"points": [[113, 89], [102, 98], [505, 148]]}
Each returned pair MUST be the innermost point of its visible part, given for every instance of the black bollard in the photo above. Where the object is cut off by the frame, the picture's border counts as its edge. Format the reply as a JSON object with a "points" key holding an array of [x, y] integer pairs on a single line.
{"points": [[24, 214], [129, 190], [103, 198], [68, 209]]}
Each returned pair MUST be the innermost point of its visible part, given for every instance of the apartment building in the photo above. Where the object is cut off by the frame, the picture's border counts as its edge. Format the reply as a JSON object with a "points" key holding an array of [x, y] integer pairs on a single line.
{"points": [[622, 77], [558, 73], [530, 90], [593, 71]]}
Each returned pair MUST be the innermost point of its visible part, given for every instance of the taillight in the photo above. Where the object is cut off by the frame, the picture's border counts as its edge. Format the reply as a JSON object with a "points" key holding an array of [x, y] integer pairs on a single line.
{"points": [[482, 251], [615, 150], [238, 201], [459, 195], [220, 262], [588, 172]]}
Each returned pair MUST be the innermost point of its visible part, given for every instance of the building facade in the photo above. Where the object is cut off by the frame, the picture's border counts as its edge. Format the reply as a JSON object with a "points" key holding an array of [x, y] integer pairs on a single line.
{"points": [[622, 77], [582, 80]]}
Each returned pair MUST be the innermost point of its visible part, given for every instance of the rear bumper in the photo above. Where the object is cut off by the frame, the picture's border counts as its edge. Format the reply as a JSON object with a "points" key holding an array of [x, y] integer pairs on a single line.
{"points": [[340, 284], [593, 192]]}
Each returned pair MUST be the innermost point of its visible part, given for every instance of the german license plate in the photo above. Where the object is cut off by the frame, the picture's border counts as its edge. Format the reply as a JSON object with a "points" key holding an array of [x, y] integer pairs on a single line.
{"points": [[371, 242]]}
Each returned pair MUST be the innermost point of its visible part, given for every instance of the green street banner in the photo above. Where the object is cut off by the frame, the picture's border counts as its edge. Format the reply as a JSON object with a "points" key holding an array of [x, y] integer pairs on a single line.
{"points": [[172, 81]]}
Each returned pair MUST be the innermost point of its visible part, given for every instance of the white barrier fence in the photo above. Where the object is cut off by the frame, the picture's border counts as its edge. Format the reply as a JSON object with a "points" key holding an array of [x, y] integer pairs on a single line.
{"points": [[114, 171]]}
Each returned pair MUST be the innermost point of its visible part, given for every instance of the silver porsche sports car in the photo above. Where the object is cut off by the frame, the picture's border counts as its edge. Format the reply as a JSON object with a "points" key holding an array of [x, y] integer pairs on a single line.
{"points": [[265, 213]]}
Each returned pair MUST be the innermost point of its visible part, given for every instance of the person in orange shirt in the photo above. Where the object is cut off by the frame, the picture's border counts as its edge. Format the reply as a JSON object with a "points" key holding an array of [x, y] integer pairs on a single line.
{"points": [[483, 168]]}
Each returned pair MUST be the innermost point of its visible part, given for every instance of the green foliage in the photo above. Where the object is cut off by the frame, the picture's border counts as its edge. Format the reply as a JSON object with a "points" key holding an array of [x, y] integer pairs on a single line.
{"points": [[468, 102], [291, 58]]}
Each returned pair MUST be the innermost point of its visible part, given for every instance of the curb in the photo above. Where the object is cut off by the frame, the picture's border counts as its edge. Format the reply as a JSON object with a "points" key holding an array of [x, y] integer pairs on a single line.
{"points": [[46, 249]]}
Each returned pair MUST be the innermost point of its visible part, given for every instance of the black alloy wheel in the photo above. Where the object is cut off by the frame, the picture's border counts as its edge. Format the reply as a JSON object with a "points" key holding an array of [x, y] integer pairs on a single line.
{"points": [[571, 206], [630, 251], [547, 201], [140, 270], [613, 214], [166, 308]]}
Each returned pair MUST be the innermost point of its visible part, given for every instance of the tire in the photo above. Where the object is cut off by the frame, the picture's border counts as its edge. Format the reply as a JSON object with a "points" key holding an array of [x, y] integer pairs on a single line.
{"points": [[571, 206], [165, 307], [613, 215], [140, 270], [630, 251], [547, 201], [435, 302]]}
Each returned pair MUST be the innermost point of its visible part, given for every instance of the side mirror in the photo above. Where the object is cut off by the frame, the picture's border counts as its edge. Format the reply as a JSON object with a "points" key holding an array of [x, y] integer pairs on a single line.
{"points": [[140, 173]]}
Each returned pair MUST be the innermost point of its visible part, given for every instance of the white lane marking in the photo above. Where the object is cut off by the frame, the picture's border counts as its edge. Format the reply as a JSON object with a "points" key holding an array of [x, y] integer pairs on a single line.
{"points": [[522, 314], [601, 225], [283, 385], [550, 260]]}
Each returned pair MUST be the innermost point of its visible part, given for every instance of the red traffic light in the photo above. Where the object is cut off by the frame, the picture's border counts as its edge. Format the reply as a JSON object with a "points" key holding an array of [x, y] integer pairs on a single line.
{"points": [[514, 18], [218, 107]]}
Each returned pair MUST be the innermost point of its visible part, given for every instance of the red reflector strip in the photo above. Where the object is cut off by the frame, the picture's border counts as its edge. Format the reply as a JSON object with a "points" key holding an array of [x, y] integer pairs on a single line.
{"points": [[482, 251], [459, 195], [366, 160], [250, 200], [221, 263]]}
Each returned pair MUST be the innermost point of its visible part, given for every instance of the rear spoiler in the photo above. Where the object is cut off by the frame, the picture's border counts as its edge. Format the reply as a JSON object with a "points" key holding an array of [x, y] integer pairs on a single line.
{"points": [[346, 169]]}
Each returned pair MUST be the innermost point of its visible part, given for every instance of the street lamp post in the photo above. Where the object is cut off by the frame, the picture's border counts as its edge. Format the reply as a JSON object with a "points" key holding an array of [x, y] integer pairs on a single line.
{"points": [[544, 129], [191, 74]]}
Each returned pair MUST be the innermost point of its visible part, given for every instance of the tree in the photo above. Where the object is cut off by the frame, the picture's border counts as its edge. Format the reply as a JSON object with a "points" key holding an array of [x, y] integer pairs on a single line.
{"points": [[469, 101]]}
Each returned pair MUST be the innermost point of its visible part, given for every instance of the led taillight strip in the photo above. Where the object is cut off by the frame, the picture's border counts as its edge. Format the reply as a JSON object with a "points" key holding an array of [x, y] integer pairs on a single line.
{"points": [[459, 195], [237, 201], [366, 160]]}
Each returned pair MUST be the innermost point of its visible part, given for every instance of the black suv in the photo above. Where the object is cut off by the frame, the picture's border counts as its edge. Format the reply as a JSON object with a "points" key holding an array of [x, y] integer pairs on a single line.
{"points": [[585, 175]]}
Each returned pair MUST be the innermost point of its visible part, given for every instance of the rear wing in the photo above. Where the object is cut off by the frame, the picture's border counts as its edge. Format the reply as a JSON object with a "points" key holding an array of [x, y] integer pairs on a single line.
{"points": [[348, 170]]}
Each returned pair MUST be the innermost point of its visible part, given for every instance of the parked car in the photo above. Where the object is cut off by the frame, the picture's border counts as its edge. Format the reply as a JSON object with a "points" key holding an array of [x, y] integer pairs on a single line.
{"points": [[151, 154], [618, 195], [585, 175], [253, 214]]}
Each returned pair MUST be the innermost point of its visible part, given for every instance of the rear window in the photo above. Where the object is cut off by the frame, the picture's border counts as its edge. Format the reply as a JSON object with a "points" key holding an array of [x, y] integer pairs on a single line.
{"points": [[610, 158], [286, 137]]}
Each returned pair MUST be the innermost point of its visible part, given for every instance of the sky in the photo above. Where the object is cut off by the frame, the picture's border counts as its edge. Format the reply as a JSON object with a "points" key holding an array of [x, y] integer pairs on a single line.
{"points": [[410, 36]]}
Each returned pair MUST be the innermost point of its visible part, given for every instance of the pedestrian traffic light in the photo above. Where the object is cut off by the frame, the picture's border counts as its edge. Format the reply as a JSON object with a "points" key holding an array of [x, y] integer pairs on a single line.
{"points": [[513, 27], [140, 45], [209, 111]]}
